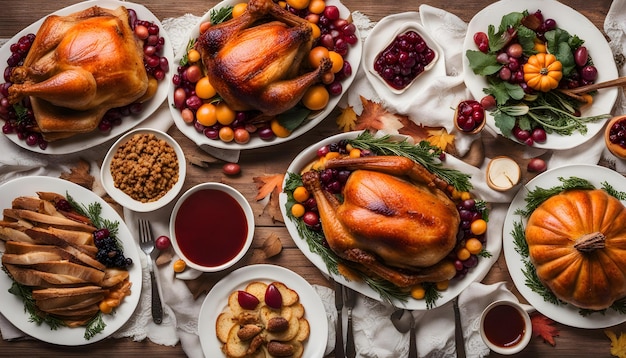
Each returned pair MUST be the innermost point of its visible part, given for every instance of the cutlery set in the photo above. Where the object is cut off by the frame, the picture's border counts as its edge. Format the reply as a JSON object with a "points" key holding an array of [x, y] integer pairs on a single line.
{"points": [[345, 297]]}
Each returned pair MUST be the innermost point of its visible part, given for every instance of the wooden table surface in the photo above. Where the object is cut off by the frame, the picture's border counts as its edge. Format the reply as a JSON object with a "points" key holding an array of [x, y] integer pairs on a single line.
{"points": [[16, 15]]}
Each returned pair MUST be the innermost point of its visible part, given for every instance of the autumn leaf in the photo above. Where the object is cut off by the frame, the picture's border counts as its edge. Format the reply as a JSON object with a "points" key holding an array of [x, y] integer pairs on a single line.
{"points": [[376, 117], [416, 131], [267, 184], [441, 138], [544, 327], [618, 345], [347, 119], [270, 185]]}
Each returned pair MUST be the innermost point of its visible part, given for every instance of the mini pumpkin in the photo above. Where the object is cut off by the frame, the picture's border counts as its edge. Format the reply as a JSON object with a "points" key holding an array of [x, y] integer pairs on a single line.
{"points": [[542, 72], [577, 244]]}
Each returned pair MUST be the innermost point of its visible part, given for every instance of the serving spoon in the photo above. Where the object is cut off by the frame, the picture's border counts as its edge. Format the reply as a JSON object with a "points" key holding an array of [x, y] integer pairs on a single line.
{"points": [[403, 321], [576, 92]]}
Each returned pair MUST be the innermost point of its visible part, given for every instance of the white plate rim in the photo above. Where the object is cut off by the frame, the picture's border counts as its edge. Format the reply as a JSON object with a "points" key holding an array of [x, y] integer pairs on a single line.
{"points": [[124, 199], [573, 22], [378, 39], [216, 301], [12, 307], [567, 315], [89, 140], [354, 57], [494, 246]]}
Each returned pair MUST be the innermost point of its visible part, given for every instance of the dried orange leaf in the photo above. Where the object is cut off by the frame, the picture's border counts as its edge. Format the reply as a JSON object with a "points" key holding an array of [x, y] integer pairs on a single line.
{"points": [[618, 345], [416, 131], [376, 117], [267, 184], [544, 327], [347, 119], [440, 138]]}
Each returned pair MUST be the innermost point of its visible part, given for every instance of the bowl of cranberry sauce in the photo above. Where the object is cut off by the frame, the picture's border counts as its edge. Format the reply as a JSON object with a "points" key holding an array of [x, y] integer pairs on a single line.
{"points": [[409, 54], [211, 227]]}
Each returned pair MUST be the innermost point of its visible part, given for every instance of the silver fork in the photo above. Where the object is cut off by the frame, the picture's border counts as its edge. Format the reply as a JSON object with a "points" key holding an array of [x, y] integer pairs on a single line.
{"points": [[146, 242]]}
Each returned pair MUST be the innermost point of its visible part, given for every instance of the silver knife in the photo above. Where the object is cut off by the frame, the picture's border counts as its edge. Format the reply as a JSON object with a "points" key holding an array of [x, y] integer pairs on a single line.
{"points": [[339, 352], [350, 300], [459, 341]]}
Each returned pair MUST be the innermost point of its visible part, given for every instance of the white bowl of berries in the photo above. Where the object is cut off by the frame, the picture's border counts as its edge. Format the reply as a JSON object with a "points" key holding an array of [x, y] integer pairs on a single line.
{"points": [[400, 63]]}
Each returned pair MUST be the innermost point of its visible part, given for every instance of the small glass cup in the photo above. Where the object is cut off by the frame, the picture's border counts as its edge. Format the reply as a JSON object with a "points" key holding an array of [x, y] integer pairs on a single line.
{"points": [[505, 326]]}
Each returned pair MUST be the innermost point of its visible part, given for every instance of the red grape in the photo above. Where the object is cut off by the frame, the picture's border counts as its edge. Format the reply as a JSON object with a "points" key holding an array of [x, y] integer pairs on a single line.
{"points": [[162, 242], [273, 297], [247, 300]]}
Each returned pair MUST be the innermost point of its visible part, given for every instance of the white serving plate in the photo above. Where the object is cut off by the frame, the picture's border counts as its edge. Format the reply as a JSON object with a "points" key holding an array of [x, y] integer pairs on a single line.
{"points": [[217, 300], [12, 306], [89, 140], [566, 314], [494, 246], [567, 19], [354, 58]]}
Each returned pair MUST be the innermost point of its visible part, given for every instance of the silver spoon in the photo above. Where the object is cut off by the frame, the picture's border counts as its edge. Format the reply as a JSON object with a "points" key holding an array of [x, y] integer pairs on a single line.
{"points": [[403, 321]]}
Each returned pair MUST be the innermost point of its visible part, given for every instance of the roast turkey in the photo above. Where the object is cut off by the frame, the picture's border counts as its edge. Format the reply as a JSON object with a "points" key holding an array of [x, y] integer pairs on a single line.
{"points": [[394, 220], [79, 67], [254, 61]]}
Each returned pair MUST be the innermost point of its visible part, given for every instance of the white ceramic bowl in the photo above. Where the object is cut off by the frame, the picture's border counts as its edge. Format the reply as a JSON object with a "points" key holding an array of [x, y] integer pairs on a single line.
{"points": [[374, 49], [507, 327], [214, 224], [126, 200]]}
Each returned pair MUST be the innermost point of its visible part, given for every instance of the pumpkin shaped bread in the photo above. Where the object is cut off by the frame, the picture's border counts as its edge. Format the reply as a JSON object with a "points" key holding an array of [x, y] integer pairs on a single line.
{"points": [[577, 243]]}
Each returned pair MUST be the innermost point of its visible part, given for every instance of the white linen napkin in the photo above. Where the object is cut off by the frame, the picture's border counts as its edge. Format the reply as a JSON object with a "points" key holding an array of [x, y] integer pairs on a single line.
{"points": [[376, 337]]}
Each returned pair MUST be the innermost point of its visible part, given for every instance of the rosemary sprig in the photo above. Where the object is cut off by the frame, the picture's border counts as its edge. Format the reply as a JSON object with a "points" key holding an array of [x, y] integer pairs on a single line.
{"points": [[26, 294], [519, 239], [94, 326], [93, 211], [533, 282], [185, 59], [537, 196], [423, 153], [387, 290], [220, 15], [619, 195]]}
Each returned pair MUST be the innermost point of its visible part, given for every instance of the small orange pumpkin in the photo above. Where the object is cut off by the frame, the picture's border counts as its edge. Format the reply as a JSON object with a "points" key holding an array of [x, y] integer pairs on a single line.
{"points": [[542, 72], [577, 244]]}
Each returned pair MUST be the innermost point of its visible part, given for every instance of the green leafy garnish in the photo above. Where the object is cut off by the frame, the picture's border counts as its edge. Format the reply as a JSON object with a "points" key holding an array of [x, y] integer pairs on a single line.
{"points": [[26, 293], [422, 153], [220, 15], [94, 212], [94, 326], [537, 196], [293, 117], [185, 59]]}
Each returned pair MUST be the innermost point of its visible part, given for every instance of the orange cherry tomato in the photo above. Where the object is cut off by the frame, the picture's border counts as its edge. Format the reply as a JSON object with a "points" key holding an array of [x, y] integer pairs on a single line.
{"points": [[205, 115], [316, 97], [337, 60], [316, 55], [204, 88]]}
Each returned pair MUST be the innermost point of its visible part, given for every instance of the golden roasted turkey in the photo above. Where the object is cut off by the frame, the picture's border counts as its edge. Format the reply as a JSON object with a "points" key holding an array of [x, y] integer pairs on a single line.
{"points": [[395, 220], [255, 62], [79, 67]]}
